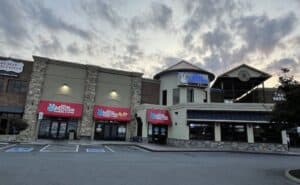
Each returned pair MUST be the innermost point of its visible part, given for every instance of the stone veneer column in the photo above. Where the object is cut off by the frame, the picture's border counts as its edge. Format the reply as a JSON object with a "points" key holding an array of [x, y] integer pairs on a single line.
{"points": [[89, 102], [32, 100], [136, 88]]}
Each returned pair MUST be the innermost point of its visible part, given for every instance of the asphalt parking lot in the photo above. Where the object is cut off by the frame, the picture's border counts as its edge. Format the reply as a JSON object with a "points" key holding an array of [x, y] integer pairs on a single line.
{"points": [[55, 164]]}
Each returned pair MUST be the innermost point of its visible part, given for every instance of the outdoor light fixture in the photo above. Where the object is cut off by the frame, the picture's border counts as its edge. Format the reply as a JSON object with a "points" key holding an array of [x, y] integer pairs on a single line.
{"points": [[113, 94], [65, 89]]}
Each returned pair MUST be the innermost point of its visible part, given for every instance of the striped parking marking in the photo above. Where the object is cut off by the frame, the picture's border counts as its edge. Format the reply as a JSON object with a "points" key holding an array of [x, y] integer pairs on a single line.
{"points": [[45, 147], [108, 148], [8, 146], [140, 149]]}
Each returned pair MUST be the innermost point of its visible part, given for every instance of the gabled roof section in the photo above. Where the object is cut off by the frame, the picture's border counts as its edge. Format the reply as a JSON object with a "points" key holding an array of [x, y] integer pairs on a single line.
{"points": [[239, 81], [227, 74], [186, 67]]}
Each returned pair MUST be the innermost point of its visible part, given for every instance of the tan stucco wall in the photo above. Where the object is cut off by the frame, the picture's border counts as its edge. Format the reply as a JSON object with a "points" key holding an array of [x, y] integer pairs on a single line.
{"points": [[170, 81], [179, 128], [57, 76], [106, 83]]}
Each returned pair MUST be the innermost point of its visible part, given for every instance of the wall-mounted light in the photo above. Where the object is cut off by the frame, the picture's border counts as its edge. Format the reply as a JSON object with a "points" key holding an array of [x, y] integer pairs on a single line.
{"points": [[65, 89], [113, 94]]}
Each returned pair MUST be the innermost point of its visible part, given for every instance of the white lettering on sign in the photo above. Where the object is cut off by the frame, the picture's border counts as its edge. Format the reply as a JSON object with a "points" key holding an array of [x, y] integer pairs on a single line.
{"points": [[11, 66], [60, 108]]}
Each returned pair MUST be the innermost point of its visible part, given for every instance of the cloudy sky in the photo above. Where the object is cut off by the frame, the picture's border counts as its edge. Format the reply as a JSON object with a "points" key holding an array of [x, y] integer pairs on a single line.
{"points": [[148, 35]]}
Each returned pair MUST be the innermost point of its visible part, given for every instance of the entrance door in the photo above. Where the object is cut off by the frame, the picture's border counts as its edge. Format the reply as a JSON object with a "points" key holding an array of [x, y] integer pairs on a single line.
{"points": [[110, 131], [160, 134], [58, 130]]}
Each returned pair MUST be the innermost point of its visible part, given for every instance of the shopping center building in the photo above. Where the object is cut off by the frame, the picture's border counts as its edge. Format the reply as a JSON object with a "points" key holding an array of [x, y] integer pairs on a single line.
{"points": [[183, 105]]}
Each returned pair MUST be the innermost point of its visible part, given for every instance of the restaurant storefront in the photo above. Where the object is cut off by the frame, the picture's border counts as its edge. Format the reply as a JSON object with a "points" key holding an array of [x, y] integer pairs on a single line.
{"points": [[158, 122], [59, 119], [111, 122]]}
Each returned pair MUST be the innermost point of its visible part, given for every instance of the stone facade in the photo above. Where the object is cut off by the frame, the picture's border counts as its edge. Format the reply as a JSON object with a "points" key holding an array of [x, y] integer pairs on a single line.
{"points": [[33, 97], [136, 86], [229, 146], [86, 128]]}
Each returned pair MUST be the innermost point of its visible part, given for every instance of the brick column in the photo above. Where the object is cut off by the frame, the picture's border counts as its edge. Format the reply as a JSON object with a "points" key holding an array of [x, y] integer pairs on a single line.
{"points": [[32, 100], [136, 88], [86, 128]]}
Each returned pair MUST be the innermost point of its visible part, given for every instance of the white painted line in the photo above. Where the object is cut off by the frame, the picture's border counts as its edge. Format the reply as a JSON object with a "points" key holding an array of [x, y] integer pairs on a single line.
{"points": [[55, 150], [95, 150], [108, 148], [8, 146], [138, 148], [43, 149]]}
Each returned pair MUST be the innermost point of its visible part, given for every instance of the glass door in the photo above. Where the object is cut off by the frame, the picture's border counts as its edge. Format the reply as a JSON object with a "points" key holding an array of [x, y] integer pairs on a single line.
{"points": [[62, 130], [54, 129]]}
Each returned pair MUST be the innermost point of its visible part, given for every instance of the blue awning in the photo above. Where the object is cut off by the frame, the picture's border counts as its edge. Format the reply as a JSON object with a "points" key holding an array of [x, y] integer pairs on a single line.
{"points": [[11, 109], [229, 116]]}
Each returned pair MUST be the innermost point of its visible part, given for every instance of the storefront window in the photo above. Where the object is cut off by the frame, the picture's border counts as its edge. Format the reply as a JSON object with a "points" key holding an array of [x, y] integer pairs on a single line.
{"points": [[1, 85], [164, 97], [201, 131], [234, 132], [176, 97], [6, 126], [108, 130], [44, 128], [17, 86], [266, 133]]}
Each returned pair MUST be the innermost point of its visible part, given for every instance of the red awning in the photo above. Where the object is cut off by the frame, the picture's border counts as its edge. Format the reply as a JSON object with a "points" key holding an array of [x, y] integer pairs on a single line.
{"points": [[60, 109], [111, 113], [158, 116]]}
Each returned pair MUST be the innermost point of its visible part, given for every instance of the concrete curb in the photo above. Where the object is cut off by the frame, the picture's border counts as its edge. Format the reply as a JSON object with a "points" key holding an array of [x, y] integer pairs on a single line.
{"points": [[290, 177], [224, 151]]}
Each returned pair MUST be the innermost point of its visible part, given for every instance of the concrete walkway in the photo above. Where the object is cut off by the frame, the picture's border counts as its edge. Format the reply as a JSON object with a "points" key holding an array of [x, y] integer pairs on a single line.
{"points": [[161, 148]]}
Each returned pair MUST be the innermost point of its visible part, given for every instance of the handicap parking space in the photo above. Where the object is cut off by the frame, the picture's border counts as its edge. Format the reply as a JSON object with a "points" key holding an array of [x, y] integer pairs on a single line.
{"points": [[125, 148], [22, 148], [60, 148]]}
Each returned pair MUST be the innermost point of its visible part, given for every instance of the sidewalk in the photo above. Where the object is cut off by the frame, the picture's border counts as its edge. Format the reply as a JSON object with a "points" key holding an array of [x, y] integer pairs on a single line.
{"points": [[162, 148], [166, 148]]}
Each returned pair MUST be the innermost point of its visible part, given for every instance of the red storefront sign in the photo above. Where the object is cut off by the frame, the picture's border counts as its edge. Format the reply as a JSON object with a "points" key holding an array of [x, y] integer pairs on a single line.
{"points": [[111, 113], [158, 116], [60, 109]]}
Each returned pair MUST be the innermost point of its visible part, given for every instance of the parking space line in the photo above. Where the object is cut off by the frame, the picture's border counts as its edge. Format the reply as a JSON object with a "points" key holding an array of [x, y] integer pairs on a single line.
{"points": [[108, 148], [77, 148], [140, 149], [42, 149], [8, 146]]}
